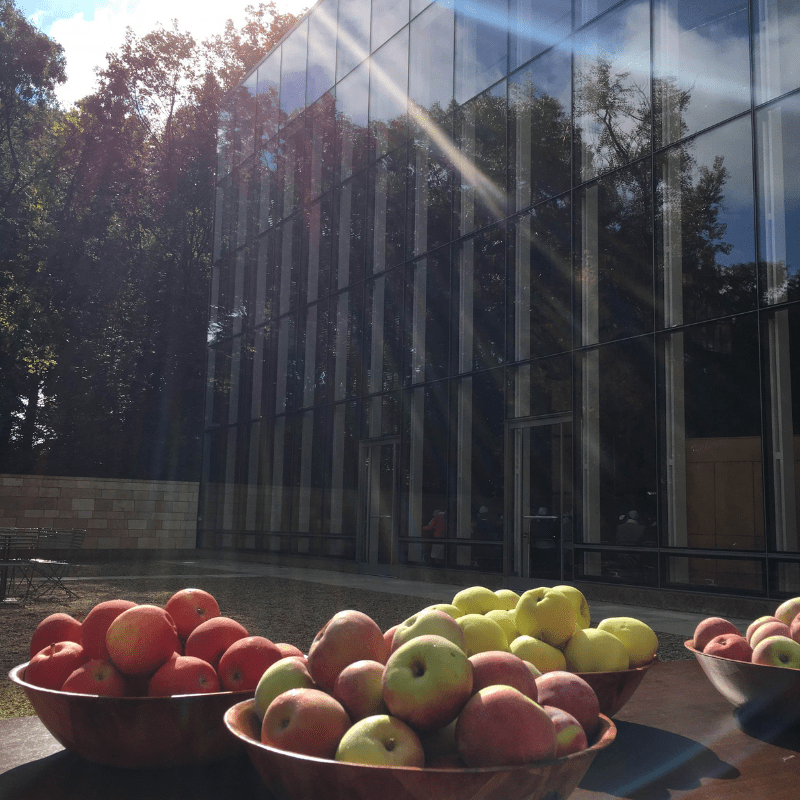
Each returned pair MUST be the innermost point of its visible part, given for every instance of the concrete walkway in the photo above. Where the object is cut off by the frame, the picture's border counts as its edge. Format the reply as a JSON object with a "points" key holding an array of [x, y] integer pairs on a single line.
{"points": [[677, 622]]}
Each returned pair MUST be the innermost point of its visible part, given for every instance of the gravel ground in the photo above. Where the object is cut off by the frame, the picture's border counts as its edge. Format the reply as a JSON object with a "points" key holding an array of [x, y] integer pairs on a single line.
{"points": [[282, 610]]}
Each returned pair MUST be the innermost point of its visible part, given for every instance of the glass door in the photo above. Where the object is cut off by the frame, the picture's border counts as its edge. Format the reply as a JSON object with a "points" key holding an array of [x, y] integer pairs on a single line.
{"points": [[540, 455], [378, 512]]}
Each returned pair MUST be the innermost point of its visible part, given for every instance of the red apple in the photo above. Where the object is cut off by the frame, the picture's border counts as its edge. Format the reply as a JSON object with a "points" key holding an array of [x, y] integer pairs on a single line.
{"points": [[756, 624], [500, 726], [769, 629], [57, 627], [729, 645], [359, 689], [95, 626], [141, 639], [777, 651], [210, 639], [426, 682], [572, 694], [794, 629], [388, 637], [570, 736], [52, 665], [245, 661], [289, 650], [348, 636], [189, 608], [709, 628], [97, 677], [498, 667], [430, 621], [183, 675], [305, 721]]}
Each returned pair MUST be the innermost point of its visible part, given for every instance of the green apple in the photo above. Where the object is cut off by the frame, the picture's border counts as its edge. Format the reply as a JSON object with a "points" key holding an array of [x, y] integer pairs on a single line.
{"points": [[546, 614], [288, 673], [777, 651], [579, 603], [382, 740], [594, 650], [788, 610], [433, 622], [639, 638], [427, 681]]}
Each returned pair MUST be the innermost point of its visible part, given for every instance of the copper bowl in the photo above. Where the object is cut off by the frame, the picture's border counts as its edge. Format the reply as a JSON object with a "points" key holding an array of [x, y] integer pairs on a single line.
{"points": [[764, 696], [614, 689], [136, 732], [290, 776]]}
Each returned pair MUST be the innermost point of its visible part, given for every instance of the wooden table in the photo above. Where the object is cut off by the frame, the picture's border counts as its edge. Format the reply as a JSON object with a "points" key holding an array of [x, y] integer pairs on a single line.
{"points": [[677, 738]]}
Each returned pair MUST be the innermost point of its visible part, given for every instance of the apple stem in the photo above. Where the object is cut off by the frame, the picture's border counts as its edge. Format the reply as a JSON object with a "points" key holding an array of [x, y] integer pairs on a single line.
{"points": [[390, 744]]}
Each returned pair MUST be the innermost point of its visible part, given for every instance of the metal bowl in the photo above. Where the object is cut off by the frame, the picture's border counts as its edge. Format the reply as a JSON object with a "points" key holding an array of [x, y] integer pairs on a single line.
{"points": [[767, 699], [136, 732], [614, 689], [290, 776]]}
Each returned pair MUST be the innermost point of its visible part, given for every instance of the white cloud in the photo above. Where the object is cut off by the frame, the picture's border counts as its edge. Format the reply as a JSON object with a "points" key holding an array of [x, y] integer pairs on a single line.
{"points": [[86, 41]]}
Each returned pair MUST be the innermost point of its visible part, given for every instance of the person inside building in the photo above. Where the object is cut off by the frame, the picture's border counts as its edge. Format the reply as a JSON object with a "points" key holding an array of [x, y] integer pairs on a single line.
{"points": [[437, 527]]}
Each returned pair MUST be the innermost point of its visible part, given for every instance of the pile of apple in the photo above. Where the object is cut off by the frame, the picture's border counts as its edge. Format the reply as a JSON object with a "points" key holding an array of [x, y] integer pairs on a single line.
{"points": [[123, 649], [770, 640], [488, 680]]}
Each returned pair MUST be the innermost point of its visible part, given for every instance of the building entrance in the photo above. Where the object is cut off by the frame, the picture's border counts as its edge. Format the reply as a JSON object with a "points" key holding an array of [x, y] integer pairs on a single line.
{"points": [[377, 503], [540, 455]]}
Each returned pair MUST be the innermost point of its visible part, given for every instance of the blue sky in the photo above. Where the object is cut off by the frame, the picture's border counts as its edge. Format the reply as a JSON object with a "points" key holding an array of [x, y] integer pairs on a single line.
{"points": [[88, 29]]}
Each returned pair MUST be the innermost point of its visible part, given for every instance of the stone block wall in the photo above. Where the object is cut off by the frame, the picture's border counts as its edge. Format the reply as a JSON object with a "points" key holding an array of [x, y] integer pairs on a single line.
{"points": [[116, 514]]}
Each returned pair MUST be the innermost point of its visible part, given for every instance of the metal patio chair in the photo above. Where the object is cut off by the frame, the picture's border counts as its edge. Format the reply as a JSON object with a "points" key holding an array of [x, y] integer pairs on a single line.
{"points": [[60, 547], [17, 550]]}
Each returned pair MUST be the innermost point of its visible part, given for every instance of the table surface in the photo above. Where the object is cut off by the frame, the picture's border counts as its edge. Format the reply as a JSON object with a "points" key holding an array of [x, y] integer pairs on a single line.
{"points": [[676, 738]]}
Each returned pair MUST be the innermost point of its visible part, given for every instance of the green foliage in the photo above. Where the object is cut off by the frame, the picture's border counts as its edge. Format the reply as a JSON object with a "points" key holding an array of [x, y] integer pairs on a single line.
{"points": [[106, 221]]}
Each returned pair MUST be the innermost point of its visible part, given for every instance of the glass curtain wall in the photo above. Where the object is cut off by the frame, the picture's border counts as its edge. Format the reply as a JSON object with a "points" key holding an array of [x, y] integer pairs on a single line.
{"points": [[512, 287]]}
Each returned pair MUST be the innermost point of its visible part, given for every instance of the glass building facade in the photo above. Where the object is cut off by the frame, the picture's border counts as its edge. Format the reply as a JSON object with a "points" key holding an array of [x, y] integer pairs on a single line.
{"points": [[513, 287]]}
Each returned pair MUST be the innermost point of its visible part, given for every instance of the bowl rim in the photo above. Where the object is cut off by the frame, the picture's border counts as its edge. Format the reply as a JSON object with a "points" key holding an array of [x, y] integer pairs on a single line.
{"points": [[689, 645], [15, 675], [655, 660], [607, 735]]}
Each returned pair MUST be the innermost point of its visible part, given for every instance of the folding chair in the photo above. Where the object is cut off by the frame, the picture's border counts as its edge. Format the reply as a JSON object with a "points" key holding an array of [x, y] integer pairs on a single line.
{"points": [[52, 571], [17, 549]]}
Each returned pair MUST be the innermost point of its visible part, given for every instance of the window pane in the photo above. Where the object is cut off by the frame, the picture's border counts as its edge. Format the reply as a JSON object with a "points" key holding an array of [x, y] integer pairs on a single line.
{"points": [[312, 352], [353, 44], [427, 318], [387, 211], [480, 291], [586, 10], [701, 65], [481, 45], [614, 246], [388, 16], [352, 104], [616, 386], [286, 378], [225, 136], [781, 376], [705, 239], [477, 413], [268, 94], [351, 209], [535, 26], [778, 149], [269, 173], [321, 130], [539, 388], [345, 338], [430, 83], [341, 486], [293, 166], [388, 99], [713, 497], [318, 247], [309, 462], [430, 184], [540, 106], [288, 258], [540, 283], [321, 50], [382, 326], [480, 134], [777, 31], [246, 116], [740, 576], [293, 71], [611, 71]]}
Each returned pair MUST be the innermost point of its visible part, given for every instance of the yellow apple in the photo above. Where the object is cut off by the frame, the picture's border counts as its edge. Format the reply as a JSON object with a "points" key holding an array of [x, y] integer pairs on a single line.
{"points": [[505, 619], [476, 600], [545, 614], [639, 638], [593, 650], [482, 634], [788, 610], [448, 608], [538, 653], [508, 599], [579, 603]]}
